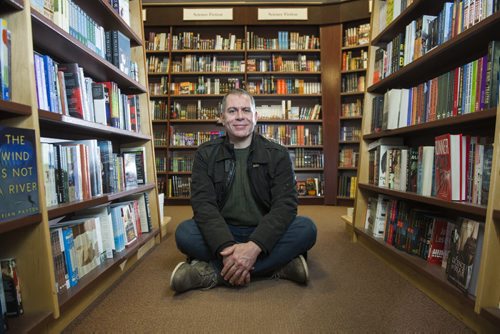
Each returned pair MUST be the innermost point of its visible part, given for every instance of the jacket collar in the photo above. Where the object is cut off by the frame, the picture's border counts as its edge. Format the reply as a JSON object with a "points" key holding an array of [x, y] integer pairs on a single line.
{"points": [[257, 149]]}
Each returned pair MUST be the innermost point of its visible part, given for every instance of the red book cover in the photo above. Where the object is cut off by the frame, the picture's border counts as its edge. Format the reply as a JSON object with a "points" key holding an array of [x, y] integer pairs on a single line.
{"points": [[443, 167], [448, 166], [438, 236]]}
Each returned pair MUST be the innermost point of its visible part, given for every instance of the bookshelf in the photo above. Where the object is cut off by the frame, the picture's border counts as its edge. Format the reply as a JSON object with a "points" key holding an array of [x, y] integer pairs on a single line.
{"points": [[194, 111], [263, 70], [354, 61], [480, 312], [27, 239]]}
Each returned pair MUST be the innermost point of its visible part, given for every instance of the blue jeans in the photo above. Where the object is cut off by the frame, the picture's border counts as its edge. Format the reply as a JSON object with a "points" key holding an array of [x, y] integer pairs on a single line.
{"points": [[298, 239]]}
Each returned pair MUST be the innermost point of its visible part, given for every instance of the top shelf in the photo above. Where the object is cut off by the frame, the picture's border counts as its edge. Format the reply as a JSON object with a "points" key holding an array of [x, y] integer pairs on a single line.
{"points": [[104, 14], [66, 48], [412, 12], [466, 46]]}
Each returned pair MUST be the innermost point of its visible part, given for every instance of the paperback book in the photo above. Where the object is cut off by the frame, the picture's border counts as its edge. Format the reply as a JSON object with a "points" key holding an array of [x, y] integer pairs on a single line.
{"points": [[18, 173]]}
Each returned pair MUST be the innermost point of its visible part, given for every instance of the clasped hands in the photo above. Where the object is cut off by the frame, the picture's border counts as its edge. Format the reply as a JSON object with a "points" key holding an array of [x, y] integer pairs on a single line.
{"points": [[238, 261]]}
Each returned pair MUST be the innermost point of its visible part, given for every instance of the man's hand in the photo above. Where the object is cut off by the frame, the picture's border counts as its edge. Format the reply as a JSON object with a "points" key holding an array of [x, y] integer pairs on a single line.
{"points": [[238, 261]]}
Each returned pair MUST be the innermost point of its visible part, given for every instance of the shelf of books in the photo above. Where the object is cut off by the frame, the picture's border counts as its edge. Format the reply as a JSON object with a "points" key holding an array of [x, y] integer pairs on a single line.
{"points": [[77, 182], [427, 176], [280, 66], [354, 61]]}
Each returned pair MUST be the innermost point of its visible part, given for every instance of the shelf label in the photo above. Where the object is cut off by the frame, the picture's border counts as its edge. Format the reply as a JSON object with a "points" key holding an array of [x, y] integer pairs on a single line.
{"points": [[282, 14], [207, 14]]}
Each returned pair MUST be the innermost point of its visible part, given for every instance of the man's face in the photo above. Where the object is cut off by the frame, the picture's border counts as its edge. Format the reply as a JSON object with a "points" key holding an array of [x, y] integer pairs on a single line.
{"points": [[238, 118]]}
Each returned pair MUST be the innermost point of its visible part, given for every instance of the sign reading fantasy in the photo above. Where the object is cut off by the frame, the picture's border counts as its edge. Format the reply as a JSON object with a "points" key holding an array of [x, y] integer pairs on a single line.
{"points": [[18, 174]]}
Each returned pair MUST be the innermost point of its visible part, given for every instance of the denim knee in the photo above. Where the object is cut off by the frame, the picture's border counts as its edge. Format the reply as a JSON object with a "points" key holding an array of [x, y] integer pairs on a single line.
{"points": [[183, 234]]}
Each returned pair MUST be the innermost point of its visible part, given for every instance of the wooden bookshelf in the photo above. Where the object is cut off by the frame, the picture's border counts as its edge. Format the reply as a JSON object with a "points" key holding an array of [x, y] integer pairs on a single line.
{"points": [[327, 25], [479, 312], [28, 238]]}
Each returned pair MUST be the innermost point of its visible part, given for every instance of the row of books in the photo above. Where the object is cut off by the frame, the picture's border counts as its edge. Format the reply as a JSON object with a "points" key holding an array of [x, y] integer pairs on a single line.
{"points": [[64, 89], [286, 111], [194, 111], [390, 10], [160, 136], [211, 63], [457, 168], [291, 134], [455, 244], [355, 36], [352, 109], [277, 64], [428, 31], [273, 85], [347, 186], [306, 158], [287, 40], [156, 64], [84, 241], [468, 88], [181, 163], [310, 186], [179, 186], [179, 138], [158, 41], [188, 40], [113, 46], [205, 86], [78, 170], [348, 157], [352, 83], [351, 62], [350, 133]]}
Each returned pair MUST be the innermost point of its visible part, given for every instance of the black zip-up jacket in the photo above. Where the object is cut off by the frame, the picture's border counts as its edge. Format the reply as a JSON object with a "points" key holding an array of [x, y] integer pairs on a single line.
{"points": [[272, 182]]}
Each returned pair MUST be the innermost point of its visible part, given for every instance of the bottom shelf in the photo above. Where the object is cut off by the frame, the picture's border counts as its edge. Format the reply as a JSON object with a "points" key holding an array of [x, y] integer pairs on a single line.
{"points": [[86, 282], [492, 314], [432, 272]]}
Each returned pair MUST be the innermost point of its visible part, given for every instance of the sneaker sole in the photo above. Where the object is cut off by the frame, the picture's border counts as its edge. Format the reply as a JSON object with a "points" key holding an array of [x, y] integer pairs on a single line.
{"points": [[173, 274], [306, 269]]}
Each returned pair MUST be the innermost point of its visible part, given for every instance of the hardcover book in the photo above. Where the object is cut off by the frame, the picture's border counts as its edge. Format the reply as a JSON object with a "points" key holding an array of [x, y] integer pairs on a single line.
{"points": [[18, 173], [462, 253], [448, 162]]}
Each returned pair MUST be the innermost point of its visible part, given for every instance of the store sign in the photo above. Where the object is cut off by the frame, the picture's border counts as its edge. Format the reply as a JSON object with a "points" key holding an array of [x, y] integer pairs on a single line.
{"points": [[207, 14], [282, 14]]}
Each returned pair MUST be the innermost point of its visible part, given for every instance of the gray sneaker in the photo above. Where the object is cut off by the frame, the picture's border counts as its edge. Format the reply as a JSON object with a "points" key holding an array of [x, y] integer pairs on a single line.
{"points": [[194, 275], [296, 271]]}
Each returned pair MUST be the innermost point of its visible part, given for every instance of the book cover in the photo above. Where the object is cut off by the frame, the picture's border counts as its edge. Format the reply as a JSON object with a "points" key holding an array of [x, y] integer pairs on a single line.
{"points": [[18, 173], [447, 164], [11, 287], [463, 247], [301, 188], [130, 169], [121, 51], [140, 162]]}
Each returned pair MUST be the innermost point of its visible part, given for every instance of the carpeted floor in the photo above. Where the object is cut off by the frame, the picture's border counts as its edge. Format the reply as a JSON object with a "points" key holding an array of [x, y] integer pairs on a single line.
{"points": [[350, 291]]}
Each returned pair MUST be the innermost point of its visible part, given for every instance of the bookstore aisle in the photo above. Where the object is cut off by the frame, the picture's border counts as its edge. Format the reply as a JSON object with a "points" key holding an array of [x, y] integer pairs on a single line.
{"points": [[350, 291], [428, 184], [78, 198]]}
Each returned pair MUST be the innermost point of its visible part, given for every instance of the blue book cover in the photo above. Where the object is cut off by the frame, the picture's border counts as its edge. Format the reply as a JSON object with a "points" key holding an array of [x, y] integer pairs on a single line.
{"points": [[18, 173], [69, 255]]}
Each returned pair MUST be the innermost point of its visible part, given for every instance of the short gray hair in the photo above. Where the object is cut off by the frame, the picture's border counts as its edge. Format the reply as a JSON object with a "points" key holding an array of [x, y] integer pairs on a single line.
{"points": [[237, 91]]}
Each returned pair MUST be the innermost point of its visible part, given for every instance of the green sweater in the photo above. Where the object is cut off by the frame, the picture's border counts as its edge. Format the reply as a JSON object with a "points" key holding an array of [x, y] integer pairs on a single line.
{"points": [[240, 208]]}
